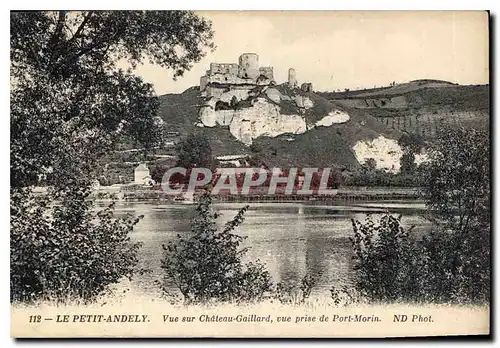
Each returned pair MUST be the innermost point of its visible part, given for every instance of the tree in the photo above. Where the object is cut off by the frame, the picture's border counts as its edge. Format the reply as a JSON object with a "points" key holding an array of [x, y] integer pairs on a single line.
{"points": [[451, 263], [407, 162], [194, 151], [370, 164], [157, 173], [73, 254], [456, 187], [70, 105], [457, 178], [385, 262], [70, 102], [411, 144], [207, 265]]}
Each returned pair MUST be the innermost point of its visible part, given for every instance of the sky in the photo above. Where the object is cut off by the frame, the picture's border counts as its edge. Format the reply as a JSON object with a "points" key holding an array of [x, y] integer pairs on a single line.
{"points": [[345, 49]]}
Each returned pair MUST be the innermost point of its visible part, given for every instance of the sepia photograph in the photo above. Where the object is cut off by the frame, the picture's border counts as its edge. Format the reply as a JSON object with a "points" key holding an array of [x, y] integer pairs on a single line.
{"points": [[256, 174]]}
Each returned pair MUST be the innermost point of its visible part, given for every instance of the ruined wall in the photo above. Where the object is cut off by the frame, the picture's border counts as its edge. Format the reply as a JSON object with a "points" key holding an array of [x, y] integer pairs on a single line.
{"points": [[306, 87], [303, 102], [214, 91], [249, 66], [267, 71], [203, 83], [246, 72], [224, 68], [238, 93]]}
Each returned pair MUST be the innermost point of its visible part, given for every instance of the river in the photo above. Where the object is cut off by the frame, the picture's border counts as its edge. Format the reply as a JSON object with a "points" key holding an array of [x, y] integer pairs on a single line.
{"points": [[292, 239]]}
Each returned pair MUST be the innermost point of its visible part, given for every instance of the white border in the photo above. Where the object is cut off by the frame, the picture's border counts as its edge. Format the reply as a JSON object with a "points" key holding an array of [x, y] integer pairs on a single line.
{"points": [[193, 5]]}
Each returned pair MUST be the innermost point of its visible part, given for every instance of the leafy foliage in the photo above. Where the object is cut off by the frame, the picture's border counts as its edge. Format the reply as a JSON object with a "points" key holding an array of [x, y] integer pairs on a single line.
{"points": [[207, 264], [157, 172], [67, 252], [194, 151], [70, 105], [66, 83], [370, 164], [390, 266], [451, 264], [290, 294], [412, 141], [345, 296], [457, 192], [411, 145], [384, 262], [457, 179], [379, 177], [407, 162]]}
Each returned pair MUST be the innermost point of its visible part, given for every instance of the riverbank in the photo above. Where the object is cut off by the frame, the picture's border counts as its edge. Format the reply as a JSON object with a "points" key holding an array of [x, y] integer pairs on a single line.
{"points": [[344, 194]]}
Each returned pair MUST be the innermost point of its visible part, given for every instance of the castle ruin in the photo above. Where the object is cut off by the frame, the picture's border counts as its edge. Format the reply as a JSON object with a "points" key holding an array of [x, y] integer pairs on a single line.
{"points": [[241, 77], [292, 78], [245, 98], [244, 75]]}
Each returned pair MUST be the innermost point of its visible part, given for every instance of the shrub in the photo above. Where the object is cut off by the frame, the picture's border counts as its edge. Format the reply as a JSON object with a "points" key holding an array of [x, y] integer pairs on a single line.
{"points": [[384, 260], [345, 296], [290, 294], [456, 187], [207, 264], [65, 251], [194, 151], [457, 268], [390, 266], [451, 264]]}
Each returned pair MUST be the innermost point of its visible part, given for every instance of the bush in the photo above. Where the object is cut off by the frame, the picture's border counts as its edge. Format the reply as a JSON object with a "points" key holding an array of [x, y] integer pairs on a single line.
{"points": [[207, 264], [378, 177], [456, 187], [66, 251], [384, 260], [390, 266], [194, 151], [290, 294], [457, 268], [345, 296]]}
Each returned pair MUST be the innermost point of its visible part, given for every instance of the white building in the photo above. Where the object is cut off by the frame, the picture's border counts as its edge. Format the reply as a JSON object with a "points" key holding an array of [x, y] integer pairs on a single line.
{"points": [[142, 175]]}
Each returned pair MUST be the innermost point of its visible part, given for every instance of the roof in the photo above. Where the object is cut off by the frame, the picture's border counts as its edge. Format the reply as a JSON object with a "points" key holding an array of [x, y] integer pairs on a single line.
{"points": [[141, 166]]}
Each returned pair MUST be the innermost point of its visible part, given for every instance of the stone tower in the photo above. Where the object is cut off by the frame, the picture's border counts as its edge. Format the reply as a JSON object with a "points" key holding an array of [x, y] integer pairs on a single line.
{"points": [[249, 66], [292, 78]]}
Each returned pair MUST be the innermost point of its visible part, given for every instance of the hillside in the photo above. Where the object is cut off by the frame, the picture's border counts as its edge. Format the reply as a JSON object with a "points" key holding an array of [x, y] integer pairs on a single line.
{"points": [[327, 128], [419, 106]]}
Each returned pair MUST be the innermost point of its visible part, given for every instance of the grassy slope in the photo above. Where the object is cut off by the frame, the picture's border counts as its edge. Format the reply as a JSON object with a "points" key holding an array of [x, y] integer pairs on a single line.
{"points": [[180, 113], [422, 94], [324, 146]]}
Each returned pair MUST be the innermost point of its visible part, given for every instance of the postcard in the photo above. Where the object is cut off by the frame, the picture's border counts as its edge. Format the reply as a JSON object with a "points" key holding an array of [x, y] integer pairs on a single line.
{"points": [[250, 174]]}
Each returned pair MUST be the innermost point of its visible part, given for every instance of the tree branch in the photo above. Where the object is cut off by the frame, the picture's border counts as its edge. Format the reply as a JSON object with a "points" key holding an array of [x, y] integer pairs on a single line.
{"points": [[81, 27], [56, 34]]}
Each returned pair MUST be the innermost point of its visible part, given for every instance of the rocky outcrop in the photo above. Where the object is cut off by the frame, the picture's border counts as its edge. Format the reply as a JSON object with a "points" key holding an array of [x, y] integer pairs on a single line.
{"points": [[261, 114], [264, 118], [386, 152], [303, 102], [332, 118]]}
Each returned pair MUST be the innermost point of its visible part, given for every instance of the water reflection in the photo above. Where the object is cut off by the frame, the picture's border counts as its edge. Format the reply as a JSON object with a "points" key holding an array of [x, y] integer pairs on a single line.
{"points": [[292, 239]]}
